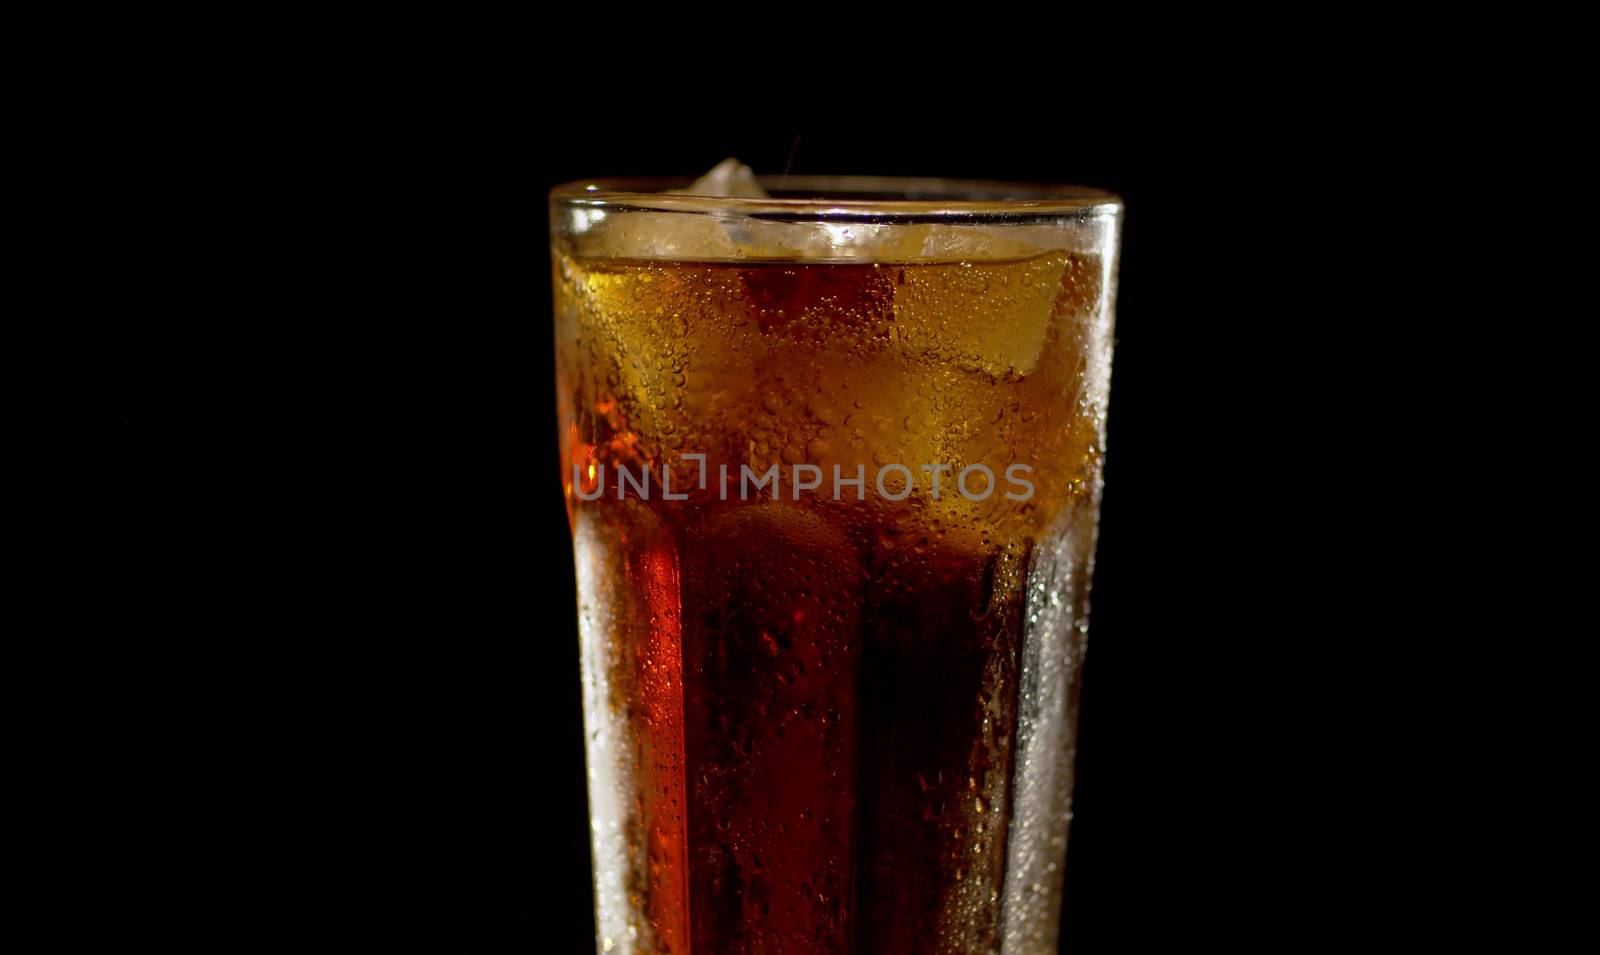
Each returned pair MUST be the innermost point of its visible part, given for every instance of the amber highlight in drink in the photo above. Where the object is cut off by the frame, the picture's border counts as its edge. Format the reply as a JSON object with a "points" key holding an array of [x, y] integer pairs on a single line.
{"points": [[831, 723]]}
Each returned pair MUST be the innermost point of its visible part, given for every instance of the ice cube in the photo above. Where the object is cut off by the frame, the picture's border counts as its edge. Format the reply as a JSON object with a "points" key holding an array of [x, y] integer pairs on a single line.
{"points": [[609, 233], [985, 316], [727, 179], [666, 236]]}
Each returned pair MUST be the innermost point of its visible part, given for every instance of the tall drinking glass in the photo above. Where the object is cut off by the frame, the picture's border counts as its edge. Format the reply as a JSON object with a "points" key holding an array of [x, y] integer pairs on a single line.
{"points": [[832, 461]]}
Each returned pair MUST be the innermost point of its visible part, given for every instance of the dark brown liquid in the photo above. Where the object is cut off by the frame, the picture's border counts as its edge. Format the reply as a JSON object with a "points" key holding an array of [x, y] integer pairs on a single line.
{"points": [[804, 714]]}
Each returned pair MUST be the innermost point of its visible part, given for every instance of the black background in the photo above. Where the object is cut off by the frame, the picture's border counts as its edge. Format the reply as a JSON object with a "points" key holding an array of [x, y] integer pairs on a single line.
{"points": [[441, 717]]}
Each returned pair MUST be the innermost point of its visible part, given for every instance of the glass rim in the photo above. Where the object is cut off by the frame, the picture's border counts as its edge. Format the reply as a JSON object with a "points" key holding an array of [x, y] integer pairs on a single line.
{"points": [[829, 198]]}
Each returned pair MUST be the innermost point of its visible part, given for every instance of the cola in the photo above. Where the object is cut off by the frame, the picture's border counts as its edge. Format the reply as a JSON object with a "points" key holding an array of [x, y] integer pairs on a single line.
{"points": [[832, 710]]}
